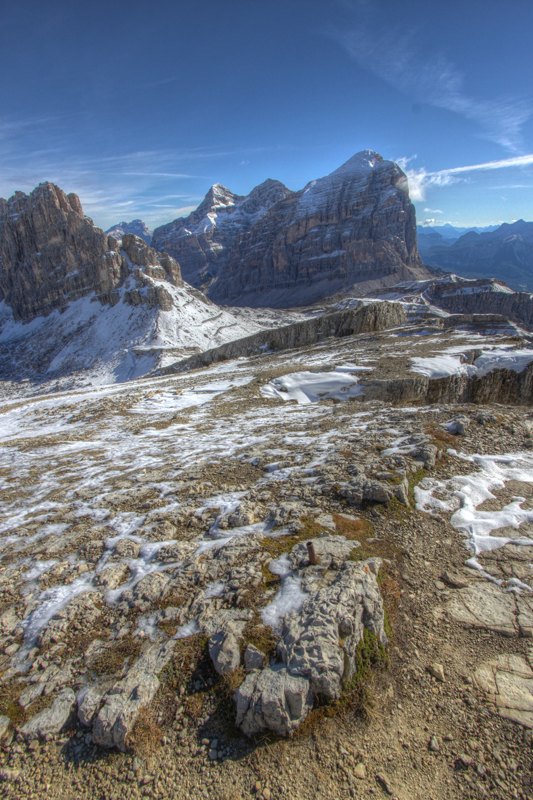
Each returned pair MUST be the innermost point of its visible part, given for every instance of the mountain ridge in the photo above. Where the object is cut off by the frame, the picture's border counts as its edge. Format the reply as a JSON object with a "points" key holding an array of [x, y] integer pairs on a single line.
{"points": [[353, 226]]}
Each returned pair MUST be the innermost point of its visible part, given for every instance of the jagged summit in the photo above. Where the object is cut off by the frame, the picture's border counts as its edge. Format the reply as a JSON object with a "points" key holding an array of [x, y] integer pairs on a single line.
{"points": [[203, 240], [364, 160]]}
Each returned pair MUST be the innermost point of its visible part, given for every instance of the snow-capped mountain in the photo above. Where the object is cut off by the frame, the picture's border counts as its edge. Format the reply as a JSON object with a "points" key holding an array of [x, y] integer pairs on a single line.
{"points": [[77, 306], [136, 226], [203, 240], [353, 227]]}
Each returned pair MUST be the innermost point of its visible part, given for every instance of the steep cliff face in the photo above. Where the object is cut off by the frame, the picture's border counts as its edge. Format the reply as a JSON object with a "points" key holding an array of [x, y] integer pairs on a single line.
{"points": [[203, 240], [355, 226], [482, 296], [51, 254]]}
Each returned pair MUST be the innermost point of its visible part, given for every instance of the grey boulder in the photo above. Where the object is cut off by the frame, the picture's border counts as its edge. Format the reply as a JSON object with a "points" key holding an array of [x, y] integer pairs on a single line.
{"points": [[274, 700], [50, 721]]}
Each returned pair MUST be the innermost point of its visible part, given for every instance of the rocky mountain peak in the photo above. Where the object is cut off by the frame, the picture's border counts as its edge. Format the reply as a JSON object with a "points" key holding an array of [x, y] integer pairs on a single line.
{"points": [[136, 226], [52, 254], [280, 248]]}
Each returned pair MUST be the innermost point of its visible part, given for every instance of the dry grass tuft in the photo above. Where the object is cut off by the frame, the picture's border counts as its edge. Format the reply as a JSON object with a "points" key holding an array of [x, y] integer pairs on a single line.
{"points": [[232, 681], [112, 659], [145, 737]]}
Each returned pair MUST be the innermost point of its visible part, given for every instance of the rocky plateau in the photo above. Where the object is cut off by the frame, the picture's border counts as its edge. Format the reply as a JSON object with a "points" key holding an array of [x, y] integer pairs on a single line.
{"points": [[291, 571], [258, 553]]}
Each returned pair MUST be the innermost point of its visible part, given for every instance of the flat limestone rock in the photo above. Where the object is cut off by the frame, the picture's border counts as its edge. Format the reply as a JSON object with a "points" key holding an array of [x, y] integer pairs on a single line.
{"points": [[317, 647], [484, 605], [508, 682], [224, 649], [525, 615], [50, 721], [319, 642]]}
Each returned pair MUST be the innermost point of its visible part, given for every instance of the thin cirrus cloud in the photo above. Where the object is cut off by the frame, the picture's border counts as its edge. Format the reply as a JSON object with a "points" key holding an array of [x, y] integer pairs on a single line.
{"points": [[420, 180], [394, 57]]}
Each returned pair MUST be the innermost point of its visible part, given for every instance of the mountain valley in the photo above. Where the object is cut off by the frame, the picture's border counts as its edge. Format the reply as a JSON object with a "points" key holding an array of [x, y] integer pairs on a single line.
{"points": [[261, 550]]}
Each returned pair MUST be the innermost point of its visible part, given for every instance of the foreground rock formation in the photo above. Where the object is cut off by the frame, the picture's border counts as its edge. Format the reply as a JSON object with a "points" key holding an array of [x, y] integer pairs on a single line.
{"points": [[195, 560], [354, 227]]}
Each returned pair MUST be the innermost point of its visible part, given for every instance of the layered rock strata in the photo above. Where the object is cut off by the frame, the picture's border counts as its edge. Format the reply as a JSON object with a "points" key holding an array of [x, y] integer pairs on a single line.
{"points": [[355, 226], [367, 318], [51, 254]]}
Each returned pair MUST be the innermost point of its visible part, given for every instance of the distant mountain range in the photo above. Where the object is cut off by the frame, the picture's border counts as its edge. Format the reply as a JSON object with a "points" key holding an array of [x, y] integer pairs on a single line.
{"points": [[504, 252], [136, 226], [444, 235]]}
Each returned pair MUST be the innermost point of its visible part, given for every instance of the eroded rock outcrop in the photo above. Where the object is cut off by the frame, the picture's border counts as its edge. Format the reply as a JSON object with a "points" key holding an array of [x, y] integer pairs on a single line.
{"points": [[51, 254], [278, 248], [317, 648], [365, 319]]}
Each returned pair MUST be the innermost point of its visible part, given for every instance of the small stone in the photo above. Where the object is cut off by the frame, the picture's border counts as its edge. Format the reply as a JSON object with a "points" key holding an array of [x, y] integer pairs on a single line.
{"points": [[437, 670], [434, 744], [266, 794], [360, 771], [440, 586], [253, 658], [384, 781]]}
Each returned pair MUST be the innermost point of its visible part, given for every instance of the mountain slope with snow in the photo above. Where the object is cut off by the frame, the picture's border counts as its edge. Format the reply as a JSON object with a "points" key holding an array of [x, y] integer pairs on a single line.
{"points": [[355, 226], [75, 306]]}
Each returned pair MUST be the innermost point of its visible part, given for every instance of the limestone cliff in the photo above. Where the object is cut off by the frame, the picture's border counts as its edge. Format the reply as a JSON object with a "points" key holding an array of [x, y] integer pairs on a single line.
{"points": [[51, 254], [203, 240], [354, 227]]}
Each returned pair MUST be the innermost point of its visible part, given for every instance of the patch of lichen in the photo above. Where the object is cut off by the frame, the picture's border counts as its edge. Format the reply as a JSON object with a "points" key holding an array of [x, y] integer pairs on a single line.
{"points": [[439, 436], [358, 693], [145, 737], [282, 544], [391, 595], [10, 707], [354, 529], [413, 480], [370, 658]]}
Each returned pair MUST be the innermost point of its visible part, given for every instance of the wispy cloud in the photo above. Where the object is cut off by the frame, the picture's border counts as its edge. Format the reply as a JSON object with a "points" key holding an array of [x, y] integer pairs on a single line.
{"points": [[433, 211], [396, 57], [420, 180], [157, 185]]}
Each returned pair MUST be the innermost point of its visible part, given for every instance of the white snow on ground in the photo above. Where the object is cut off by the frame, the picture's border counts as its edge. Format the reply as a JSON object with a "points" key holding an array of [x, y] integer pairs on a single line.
{"points": [[446, 364], [465, 493], [289, 597], [103, 344], [310, 387]]}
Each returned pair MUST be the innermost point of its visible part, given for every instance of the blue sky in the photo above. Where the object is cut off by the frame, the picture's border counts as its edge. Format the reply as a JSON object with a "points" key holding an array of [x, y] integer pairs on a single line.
{"points": [[140, 106]]}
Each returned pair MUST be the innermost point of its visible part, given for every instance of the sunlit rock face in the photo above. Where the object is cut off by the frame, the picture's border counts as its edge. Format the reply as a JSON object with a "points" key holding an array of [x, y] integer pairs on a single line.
{"points": [[354, 227], [50, 253]]}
